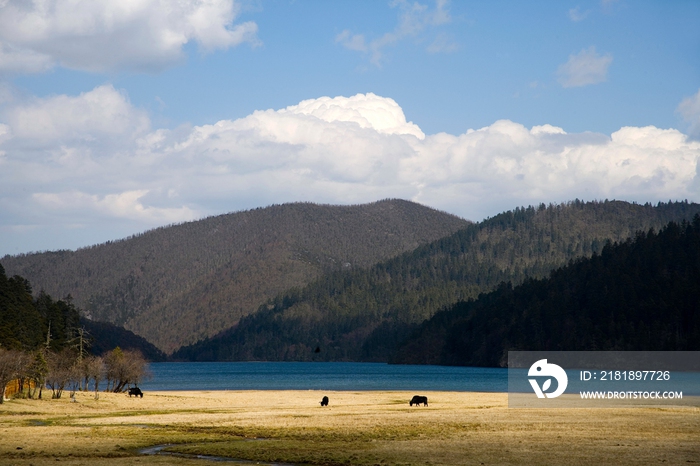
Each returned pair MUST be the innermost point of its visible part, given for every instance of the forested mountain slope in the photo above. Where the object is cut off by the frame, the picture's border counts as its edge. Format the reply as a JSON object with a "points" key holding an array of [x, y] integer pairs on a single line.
{"points": [[642, 294], [365, 314], [175, 285], [25, 321]]}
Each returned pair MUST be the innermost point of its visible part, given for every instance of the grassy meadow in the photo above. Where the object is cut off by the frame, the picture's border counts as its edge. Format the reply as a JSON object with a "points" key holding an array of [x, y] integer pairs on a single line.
{"points": [[363, 428]]}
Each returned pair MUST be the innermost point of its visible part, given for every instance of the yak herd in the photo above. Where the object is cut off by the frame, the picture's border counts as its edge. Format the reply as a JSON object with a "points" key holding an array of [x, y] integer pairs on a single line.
{"points": [[416, 400]]}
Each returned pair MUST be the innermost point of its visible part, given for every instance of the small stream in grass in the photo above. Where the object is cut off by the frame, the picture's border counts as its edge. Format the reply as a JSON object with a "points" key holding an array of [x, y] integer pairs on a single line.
{"points": [[161, 450]]}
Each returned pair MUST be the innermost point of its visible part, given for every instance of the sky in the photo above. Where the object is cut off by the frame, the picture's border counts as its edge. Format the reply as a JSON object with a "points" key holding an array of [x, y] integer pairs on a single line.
{"points": [[121, 116]]}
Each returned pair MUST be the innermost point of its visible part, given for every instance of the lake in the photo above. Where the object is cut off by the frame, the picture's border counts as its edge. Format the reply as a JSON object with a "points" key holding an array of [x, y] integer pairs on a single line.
{"points": [[322, 376]]}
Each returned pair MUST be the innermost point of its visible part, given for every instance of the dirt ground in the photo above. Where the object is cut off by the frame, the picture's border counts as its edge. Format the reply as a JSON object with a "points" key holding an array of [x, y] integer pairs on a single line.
{"points": [[364, 428]]}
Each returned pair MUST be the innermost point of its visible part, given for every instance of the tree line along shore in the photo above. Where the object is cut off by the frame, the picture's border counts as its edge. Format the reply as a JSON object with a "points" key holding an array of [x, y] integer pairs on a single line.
{"points": [[44, 347]]}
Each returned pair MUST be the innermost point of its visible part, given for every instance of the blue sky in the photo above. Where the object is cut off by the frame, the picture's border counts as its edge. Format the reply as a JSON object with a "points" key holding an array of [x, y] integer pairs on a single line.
{"points": [[116, 119]]}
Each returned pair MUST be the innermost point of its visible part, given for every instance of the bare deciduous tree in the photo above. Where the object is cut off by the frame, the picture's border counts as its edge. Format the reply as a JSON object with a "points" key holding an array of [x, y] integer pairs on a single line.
{"points": [[62, 371], [92, 369], [124, 367], [23, 362]]}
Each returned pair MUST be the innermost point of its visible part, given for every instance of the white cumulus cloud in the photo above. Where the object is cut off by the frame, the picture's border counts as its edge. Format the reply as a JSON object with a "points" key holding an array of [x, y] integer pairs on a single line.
{"points": [[368, 111], [97, 113], [585, 68], [103, 35], [109, 167]]}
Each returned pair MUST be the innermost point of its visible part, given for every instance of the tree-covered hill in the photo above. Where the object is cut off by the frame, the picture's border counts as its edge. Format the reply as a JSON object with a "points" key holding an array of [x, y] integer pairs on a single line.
{"points": [[178, 284], [641, 294], [25, 321], [364, 314]]}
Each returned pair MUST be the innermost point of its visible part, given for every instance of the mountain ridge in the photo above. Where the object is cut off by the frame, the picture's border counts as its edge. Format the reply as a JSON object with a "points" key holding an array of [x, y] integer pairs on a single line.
{"points": [[364, 314], [175, 285]]}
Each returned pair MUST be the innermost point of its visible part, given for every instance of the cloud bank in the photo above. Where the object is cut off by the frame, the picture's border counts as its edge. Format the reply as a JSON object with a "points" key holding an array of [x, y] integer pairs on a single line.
{"points": [[105, 35], [77, 162]]}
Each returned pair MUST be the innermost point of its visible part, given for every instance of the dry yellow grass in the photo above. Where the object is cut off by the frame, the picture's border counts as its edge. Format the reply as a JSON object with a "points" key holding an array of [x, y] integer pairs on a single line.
{"points": [[357, 428]]}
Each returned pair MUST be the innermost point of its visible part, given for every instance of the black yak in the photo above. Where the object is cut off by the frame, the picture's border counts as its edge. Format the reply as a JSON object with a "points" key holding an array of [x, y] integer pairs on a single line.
{"points": [[418, 400]]}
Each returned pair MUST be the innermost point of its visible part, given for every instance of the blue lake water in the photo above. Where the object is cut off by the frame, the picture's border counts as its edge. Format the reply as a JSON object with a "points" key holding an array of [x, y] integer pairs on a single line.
{"points": [[321, 376]]}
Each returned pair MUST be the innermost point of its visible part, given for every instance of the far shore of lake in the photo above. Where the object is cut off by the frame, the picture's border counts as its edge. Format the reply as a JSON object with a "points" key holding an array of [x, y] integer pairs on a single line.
{"points": [[368, 427]]}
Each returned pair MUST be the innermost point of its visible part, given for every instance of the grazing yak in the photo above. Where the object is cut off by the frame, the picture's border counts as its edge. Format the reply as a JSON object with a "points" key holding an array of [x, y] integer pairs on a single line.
{"points": [[418, 400], [136, 391], [324, 401]]}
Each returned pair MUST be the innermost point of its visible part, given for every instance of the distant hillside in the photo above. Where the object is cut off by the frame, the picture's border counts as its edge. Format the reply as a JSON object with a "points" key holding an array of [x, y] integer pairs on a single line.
{"points": [[365, 314], [642, 294], [175, 285], [104, 337]]}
